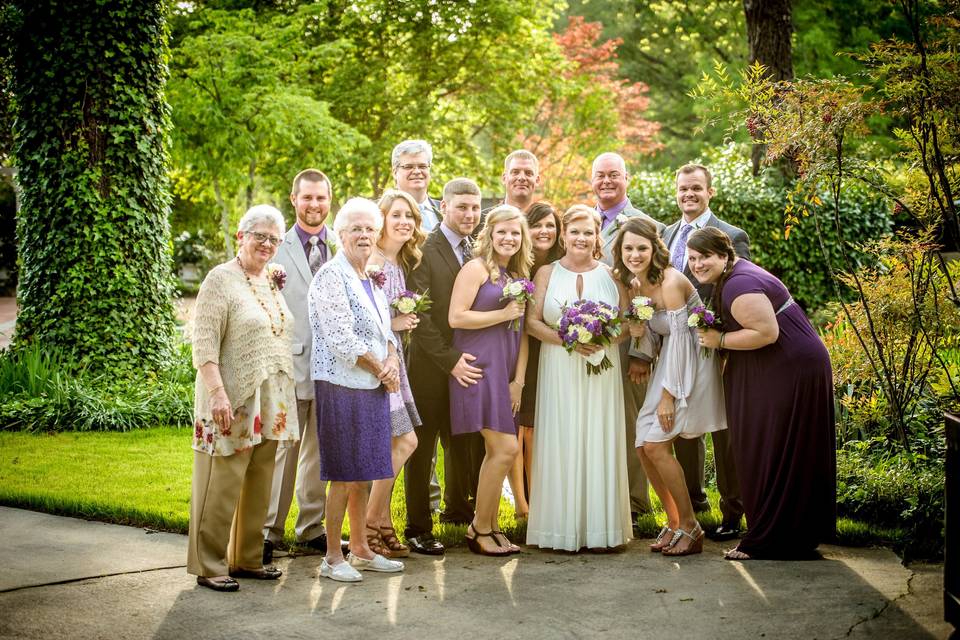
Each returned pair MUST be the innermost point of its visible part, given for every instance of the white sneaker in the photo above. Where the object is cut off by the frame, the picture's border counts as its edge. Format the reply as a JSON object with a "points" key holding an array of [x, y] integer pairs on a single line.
{"points": [[341, 572], [378, 563]]}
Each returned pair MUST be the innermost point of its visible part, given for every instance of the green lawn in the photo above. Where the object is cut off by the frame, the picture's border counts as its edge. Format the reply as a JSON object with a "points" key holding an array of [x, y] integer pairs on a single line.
{"points": [[142, 478]]}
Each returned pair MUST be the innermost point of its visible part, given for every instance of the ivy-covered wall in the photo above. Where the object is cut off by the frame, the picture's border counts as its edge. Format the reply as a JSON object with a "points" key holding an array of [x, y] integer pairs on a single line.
{"points": [[90, 146]]}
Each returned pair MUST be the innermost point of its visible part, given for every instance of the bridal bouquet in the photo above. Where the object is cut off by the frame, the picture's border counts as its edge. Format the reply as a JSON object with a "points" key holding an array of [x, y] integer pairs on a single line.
{"points": [[640, 310], [520, 290], [701, 317], [590, 322], [410, 302]]}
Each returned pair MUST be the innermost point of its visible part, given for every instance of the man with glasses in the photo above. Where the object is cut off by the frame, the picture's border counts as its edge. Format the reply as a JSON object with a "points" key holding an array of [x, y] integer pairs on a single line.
{"points": [[411, 161], [609, 180], [307, 245]]}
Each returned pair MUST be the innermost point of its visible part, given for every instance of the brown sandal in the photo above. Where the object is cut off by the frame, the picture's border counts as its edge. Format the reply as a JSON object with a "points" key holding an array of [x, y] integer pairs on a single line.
{"points": [[393, 547], [375, 542]]}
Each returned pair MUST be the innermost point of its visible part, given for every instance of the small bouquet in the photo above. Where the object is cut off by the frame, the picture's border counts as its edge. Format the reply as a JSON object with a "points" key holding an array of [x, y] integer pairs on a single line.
{"points": [[520, 290], [589, 322], [277, 275], [701, 317], [410, 302], [376, 275], [640, 310]]}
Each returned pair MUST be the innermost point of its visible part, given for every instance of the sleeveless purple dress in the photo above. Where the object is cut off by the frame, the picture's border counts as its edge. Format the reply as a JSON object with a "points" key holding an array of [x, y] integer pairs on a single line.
{"points": [[487, 403], [782, 432]]}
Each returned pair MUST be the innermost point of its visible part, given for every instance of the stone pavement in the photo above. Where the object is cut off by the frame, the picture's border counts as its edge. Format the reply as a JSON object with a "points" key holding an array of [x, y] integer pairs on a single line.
{"points": [[68, 578]]}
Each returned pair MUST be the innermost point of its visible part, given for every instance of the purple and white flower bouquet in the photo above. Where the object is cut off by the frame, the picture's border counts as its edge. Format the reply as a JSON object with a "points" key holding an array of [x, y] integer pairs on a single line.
{"points": [[590, 322], [520, 290], [702, 317], [410, 302], [640, 309]]}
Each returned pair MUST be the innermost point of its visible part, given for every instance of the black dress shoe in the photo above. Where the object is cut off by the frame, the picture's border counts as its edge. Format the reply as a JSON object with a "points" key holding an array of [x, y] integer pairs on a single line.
{"points": [[724, 532], [267, 552], [701, 507], [425, 544], [319, 543]]}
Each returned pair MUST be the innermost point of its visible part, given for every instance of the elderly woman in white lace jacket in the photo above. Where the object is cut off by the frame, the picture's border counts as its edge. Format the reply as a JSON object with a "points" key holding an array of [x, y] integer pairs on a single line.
{"points": [[355, 366], [244, 405]]}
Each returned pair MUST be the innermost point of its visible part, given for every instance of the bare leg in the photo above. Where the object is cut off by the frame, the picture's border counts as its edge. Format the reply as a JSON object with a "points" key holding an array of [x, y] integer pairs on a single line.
{"points": [[516, 482], [357, 509], [501, 451], [671, 474], [660, 486], [336, 505], [527, 434]]}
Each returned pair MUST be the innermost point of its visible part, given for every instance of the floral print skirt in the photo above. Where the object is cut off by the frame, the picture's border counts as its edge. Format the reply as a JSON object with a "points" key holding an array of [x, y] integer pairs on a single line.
{"points": [[270, 413]]}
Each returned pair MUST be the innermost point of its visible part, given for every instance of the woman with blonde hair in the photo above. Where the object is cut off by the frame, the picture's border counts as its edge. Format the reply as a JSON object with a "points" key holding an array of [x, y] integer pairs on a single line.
{"points": [[579, 494], [483, 322], [396, 254]]}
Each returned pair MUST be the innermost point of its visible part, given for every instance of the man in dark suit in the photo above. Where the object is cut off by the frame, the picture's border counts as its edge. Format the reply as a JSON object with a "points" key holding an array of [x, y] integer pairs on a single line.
{"points": [[694, 190], [609, 180], [433, 360]]}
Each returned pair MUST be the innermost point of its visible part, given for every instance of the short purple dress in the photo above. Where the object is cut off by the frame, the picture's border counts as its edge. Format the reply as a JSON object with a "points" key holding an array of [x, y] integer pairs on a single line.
{"points": [[404, 416], [486, 405], [782, 432]]}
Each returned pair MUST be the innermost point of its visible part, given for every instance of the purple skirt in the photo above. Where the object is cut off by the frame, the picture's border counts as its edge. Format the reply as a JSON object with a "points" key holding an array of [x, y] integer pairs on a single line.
{"points": [[353, 429]]}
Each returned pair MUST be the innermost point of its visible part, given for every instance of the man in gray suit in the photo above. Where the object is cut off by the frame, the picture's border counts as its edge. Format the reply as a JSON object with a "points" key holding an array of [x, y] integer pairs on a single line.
{"points": [[411, 162], [609, 180], [694, 190], [307, 245]]}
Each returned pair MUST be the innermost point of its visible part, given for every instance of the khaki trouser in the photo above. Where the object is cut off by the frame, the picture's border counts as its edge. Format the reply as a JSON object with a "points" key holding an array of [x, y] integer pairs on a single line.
{"points": [[228, 504], [298, 466]]}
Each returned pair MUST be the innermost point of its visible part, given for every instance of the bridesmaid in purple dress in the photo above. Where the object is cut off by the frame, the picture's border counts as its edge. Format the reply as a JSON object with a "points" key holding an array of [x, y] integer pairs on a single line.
{"points": [[396, 254], [481, 321], [778, 386]]}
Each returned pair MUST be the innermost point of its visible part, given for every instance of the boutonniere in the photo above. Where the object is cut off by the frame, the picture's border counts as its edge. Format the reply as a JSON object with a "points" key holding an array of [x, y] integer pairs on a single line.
{"points": [[376, 274], [277, 274], [619, 221]]}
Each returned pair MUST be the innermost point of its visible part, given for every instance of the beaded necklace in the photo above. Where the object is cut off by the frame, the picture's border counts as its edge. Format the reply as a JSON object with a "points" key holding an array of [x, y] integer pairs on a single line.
{"points": [[273, 289]]}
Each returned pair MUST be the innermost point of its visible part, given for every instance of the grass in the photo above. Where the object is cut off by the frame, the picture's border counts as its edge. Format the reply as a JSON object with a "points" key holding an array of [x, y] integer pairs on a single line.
{"points": [[142, 478]]}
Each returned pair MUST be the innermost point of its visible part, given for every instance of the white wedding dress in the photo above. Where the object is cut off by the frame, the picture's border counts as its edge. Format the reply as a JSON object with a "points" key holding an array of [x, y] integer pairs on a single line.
{"points": [[579, 494]]}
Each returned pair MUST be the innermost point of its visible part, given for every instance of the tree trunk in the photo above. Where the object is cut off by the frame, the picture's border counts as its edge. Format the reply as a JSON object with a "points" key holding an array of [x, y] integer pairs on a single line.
{"points": [[769, 28]]}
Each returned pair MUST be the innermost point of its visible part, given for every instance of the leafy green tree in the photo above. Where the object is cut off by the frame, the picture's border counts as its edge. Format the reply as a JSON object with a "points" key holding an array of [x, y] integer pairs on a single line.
{"points": [[246, 118], [89, 136]]}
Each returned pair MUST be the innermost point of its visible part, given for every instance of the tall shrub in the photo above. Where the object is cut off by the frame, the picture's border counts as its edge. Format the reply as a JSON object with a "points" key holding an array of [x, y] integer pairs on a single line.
{"points": [[90, 129]]}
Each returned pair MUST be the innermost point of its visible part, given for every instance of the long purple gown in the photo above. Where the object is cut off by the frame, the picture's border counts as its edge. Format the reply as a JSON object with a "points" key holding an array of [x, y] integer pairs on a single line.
{"points": [[487, 403], [780, 414]]}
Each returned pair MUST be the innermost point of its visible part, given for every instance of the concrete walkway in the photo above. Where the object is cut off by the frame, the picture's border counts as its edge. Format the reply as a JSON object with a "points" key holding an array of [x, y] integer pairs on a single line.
{"points": [[68, 578]]}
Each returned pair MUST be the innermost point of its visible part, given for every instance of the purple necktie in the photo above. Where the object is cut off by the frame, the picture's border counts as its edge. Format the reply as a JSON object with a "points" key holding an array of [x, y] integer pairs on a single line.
{"points": [[680, 247]]}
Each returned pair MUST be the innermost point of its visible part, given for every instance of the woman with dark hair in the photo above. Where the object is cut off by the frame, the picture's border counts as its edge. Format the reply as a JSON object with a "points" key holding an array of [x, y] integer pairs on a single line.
{"points": [[779, 395], [544, 223], [684, 395]]}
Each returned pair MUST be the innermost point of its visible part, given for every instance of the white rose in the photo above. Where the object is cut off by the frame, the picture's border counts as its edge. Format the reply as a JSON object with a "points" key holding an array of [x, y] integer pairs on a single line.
{"points": [[693, 320], [406, 305], [513, 289], [583, 335]]}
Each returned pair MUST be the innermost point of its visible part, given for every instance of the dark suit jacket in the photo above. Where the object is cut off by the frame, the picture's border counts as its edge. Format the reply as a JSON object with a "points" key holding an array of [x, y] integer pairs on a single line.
{"points": [[741, 245], [432, 356]]}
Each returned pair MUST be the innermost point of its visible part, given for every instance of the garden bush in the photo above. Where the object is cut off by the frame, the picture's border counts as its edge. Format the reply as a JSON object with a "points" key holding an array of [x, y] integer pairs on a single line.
{"points": [[757, 205], [40, 393]]}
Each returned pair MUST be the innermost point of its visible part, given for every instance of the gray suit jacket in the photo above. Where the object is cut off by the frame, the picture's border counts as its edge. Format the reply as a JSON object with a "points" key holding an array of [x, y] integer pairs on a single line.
{"points": [[609, 234], [294, 261], [741, 245]]}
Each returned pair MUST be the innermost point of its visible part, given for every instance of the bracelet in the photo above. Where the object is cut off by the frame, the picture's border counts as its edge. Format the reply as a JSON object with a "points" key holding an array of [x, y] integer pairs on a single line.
{"points": [[723, 334], [519, 383], [214, 390]]}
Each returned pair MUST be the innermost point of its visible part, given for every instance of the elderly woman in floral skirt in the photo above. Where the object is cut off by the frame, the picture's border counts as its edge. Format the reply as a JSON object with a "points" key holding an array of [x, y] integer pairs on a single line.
{"points": [[244, 405]]}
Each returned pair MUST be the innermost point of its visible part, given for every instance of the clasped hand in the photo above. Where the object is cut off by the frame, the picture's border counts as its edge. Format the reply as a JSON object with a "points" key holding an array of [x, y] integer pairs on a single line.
{"points": [[709, 338], [390, 374], [587, 350], [514, 310], [405, 322], [637, 329]]}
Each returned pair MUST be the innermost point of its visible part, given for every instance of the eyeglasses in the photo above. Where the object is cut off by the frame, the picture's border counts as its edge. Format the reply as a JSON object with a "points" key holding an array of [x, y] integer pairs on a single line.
{"points": [[264, 238], [423, 168]]}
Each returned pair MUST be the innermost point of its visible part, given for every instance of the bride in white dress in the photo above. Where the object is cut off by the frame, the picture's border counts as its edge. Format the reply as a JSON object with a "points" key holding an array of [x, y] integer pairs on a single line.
{"points": [[579, 492]]}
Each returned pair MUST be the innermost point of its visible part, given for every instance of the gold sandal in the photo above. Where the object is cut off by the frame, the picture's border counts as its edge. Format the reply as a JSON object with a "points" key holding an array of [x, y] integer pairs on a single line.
{"points": [[393, 548]]}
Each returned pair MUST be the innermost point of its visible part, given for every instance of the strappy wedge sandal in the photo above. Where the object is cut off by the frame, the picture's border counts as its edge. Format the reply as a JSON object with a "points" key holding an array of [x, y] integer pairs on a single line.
{"points": [[375, 542], [664, 539], [695, 546], [504, 541], [394, 548]]}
